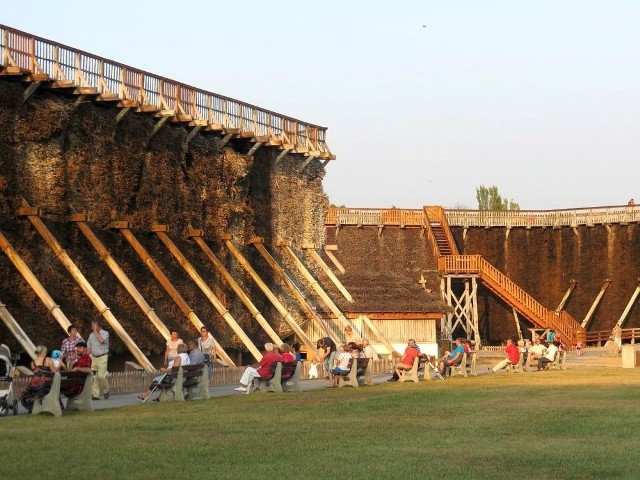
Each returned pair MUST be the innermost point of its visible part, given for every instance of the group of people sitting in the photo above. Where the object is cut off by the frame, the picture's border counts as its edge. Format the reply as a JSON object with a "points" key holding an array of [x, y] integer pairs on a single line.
{"points": [[265, 368], [539, 353]]}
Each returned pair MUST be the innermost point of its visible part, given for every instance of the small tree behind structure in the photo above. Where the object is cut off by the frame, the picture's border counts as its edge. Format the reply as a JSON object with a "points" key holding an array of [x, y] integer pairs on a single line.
{"points": [[490, 199]]}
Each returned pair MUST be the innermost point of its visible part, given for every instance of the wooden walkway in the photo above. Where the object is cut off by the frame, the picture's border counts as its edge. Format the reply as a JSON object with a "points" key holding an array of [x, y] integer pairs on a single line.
{"points": [[41, 63]]}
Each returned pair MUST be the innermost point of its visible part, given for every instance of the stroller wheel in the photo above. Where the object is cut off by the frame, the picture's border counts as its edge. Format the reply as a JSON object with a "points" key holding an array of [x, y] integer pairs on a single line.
{"points": [[15, 407], [4, 409]]}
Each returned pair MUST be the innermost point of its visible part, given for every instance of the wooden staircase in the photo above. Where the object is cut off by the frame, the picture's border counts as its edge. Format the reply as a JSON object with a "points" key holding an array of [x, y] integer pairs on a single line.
{"points": [[439, 234]]}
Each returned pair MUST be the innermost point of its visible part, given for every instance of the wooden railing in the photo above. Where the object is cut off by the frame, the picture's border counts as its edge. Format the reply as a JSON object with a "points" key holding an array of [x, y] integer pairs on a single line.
{"points": [[492, 218], [601, 337], [544, 218], [338, 216], [564, 325], [61, 63]]}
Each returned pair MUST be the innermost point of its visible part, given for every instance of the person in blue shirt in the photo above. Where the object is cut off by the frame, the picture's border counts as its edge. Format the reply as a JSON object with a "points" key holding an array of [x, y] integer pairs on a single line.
{"points": [[451, 358]]}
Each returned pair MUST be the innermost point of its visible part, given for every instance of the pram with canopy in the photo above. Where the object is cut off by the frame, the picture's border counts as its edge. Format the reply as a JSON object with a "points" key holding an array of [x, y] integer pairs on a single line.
{"points": [[7, 399]]}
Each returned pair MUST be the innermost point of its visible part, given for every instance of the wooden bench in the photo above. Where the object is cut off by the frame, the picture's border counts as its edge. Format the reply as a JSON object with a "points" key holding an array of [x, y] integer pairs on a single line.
{"points": [[410, 375], [75, 386], [282, 374], [517, 368], [357, 369], [461, 368], [187, 378]]}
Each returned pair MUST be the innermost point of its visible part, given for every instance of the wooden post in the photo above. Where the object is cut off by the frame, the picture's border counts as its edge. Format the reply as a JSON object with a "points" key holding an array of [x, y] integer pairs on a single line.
{"points": [[15, 328], [328, 272], [517, 320], [198, 280], [63, 257], [35, 284], [595, 303], [166, 284], [196, 235], [105, 256], [298, 295], [286, 316], [372, 326]]}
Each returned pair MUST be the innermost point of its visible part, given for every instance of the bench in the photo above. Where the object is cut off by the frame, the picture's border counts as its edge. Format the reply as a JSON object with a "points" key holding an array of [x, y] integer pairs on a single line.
{"points": [[181, 379], [282, 374], [459, 369], [518, 366], [410, 375], [75, 386], [357, 369]]}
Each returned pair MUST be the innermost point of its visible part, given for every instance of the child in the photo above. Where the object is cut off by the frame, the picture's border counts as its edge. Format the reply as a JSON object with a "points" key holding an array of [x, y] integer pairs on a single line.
{"points": [[579, 348]]}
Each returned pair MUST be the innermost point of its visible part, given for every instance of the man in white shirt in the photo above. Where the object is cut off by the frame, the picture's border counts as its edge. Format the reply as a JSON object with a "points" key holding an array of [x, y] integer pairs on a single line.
{"points": [[548, 357]]}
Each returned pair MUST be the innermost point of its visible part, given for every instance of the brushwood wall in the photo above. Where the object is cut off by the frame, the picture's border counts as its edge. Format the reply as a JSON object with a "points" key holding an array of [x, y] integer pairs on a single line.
{"points": [[69, 157], [544, 261]]}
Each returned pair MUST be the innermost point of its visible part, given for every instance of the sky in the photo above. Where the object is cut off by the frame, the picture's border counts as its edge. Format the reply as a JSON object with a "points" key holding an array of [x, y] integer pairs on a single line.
{"points": [[424, 100]]}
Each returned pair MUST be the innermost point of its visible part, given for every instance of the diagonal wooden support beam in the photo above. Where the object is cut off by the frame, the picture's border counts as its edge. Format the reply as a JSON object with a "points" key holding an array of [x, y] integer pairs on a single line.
{"points": [[632, 300], [122, 113], [194, 131], [17, 331], [310, 249], [29, 91], [297, 294], [324, 164], [158, 126], [254, 148], [84, 284], [595, 303], [281, 156], [572, 286], [160, 231], [196, 236], [305, 163], [282, 310], [226, 139], [328, 252], [123, 227], [34, 283], [104, 254]]}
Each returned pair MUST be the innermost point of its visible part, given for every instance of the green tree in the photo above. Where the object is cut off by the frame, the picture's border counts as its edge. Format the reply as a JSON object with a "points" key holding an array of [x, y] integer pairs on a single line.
{"points": [[490, 199]]}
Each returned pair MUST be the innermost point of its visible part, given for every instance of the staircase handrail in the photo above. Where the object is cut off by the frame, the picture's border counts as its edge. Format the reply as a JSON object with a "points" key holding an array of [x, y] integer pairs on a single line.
{"points": [[435, 213]]}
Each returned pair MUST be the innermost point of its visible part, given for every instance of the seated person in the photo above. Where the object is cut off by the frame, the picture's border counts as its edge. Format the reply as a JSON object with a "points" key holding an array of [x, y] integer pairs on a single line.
{"points": [[342, 367], [82, 364], [285, 353], [512, 356], [410, 343], [548, 357], [408, 357], [182, 359], [451, 359], [536, 351], [264, 369]]}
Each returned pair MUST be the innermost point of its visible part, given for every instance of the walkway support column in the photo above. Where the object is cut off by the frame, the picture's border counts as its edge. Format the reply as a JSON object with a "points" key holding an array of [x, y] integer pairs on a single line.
{"points": [[595, 303], [632, 300], [178, 299], [160, 231], [35, 284], [196, 235], [33, 215], [286, 316], [80, 220]]}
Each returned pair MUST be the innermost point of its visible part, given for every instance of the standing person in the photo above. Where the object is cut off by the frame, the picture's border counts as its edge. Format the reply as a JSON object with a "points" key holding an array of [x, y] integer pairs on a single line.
{"points": [[207, 344], [171, 351], [98, 345], [351, 336], [579, 348], [69, 345], [512, 353], [328, 348], [369, 351]]}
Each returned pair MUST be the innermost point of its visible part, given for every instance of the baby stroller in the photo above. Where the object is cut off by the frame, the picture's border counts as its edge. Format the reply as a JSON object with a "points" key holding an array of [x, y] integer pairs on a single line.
{"points": [[7, 401]]}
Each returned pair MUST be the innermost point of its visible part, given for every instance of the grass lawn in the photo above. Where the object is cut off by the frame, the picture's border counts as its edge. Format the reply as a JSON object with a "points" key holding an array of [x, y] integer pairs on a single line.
{"points": [[582, 423]]}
